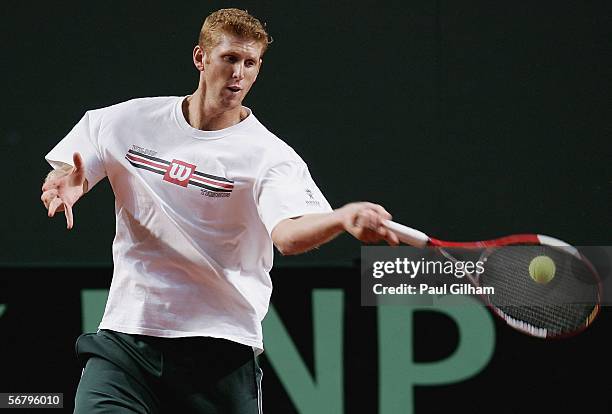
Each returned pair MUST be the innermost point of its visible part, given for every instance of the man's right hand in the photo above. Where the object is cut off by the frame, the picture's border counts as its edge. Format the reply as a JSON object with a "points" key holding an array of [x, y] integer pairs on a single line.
{"points": [[365, 221], [63, 188]]}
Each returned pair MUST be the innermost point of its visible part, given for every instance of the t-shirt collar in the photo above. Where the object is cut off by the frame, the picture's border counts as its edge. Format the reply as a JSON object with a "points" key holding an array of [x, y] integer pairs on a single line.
{"points": [[220, 133]]}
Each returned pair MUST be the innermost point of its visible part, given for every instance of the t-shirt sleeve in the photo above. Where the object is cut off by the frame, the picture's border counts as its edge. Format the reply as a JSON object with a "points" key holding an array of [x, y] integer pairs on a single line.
{"points": [[287, 190], [83, 138]]}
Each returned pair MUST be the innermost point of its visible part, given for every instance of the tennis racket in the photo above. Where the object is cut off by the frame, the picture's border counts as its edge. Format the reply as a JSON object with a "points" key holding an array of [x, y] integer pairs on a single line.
{"points": [[565, 306]]}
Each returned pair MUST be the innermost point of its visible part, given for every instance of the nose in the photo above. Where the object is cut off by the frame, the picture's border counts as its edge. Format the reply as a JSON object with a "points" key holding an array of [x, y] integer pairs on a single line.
{"points": [[238, 72]]}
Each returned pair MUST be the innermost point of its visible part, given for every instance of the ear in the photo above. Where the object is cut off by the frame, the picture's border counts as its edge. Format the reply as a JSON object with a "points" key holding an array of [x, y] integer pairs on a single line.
{"points": [[198, 58], [258, 69]]}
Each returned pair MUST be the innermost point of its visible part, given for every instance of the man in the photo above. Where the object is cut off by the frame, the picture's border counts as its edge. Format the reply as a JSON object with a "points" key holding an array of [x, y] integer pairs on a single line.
{"points": [[202, 192]]}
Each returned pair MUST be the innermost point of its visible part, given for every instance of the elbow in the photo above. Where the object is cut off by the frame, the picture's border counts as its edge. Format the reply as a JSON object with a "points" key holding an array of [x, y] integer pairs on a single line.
{"points": [[287, 247], [287, 240], [282, 237], [285, 243]]}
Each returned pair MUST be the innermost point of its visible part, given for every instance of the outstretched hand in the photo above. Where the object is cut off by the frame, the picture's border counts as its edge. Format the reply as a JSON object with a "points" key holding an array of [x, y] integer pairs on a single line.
{"points": [[62, 190], [365, 221]]}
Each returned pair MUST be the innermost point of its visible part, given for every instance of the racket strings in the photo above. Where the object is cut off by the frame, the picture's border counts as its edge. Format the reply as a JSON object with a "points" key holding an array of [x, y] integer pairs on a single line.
{"points": [[561, 306]]}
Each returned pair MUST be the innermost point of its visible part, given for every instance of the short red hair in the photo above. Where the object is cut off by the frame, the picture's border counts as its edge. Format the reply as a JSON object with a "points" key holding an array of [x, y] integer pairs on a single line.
{"points": [[234, 21]]}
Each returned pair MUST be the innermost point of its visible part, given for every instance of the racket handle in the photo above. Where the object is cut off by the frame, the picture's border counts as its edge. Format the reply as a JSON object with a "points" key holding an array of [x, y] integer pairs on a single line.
{"points": [[407, 234]]}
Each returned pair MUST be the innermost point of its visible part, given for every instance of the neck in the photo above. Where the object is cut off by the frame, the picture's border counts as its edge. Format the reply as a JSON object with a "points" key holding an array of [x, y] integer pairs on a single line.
{"points": [[203, 115]]}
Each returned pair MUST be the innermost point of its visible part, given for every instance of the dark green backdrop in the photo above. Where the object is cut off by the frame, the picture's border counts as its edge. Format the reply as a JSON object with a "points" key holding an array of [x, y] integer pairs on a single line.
{"points": [[467, 119]]}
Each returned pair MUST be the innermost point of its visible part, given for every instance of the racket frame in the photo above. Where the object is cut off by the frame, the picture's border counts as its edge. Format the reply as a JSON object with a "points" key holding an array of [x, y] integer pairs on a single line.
{"points": [[417, 238]]}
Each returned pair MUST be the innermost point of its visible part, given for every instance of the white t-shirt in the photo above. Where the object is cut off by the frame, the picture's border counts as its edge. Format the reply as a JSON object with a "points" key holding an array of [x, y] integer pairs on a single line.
{"points": [[194, 213]]}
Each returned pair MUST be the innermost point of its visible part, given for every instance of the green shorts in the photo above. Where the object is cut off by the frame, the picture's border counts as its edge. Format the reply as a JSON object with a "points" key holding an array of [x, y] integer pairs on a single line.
{"points": [[142, 374]]}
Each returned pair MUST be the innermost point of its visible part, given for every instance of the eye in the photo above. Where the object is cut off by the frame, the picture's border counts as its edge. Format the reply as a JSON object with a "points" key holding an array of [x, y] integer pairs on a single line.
{"points": [[250, 63], [230, 58]]}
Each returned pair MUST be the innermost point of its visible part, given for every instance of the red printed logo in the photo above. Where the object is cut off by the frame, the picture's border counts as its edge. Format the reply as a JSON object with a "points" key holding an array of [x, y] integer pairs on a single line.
{"points": [[179, 172]]}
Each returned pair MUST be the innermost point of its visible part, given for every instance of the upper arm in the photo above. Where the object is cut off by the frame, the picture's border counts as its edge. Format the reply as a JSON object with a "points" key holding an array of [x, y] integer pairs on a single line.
{"points": [[286, 192]]}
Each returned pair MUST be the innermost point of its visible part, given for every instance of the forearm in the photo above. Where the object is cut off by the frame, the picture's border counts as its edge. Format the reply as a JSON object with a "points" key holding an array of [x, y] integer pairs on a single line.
{"points": [[295, 236], [365, 221]]}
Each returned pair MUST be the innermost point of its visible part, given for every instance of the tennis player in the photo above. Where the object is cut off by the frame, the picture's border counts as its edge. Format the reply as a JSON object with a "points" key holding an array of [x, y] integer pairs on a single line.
{"points": [[202, 192]]}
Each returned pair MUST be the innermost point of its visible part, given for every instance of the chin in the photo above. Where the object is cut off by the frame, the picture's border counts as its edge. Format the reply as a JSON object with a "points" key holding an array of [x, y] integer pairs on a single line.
{"points": [[232, 104]]}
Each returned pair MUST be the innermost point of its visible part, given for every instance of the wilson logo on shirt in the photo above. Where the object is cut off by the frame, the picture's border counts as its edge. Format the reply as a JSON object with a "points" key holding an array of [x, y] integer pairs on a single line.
{"points": [[181, 173]]}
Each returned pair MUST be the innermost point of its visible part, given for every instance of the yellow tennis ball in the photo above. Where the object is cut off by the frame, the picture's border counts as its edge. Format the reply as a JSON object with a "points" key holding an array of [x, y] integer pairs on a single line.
{"points": [[542, 269]]}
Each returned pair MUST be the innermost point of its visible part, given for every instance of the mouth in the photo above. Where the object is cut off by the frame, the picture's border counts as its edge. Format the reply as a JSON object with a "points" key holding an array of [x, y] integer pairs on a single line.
{"points": [[234, 89]]}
